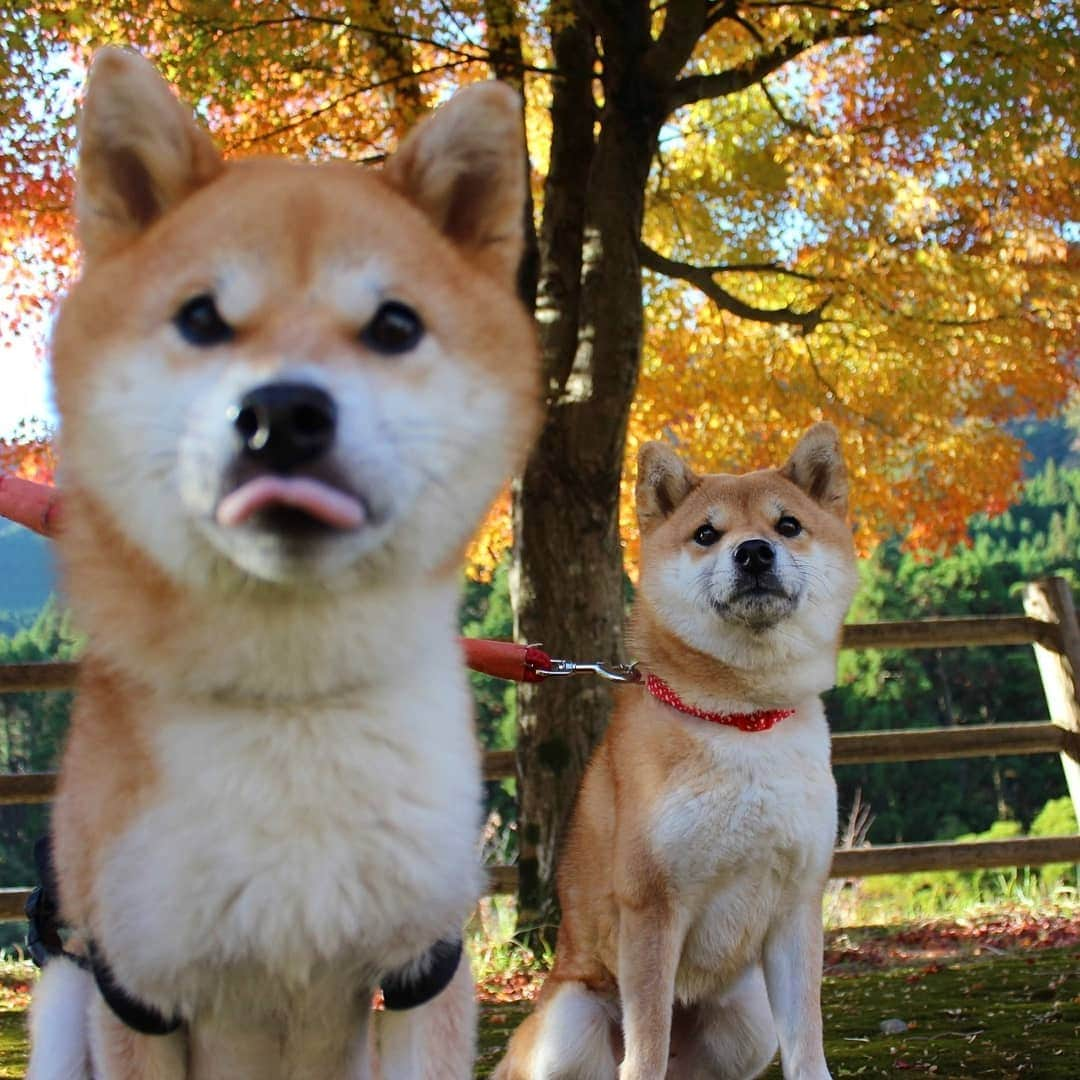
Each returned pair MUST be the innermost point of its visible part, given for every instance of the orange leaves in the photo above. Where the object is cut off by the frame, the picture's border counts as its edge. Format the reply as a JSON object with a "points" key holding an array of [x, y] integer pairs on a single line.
{"points": [[919, 180], [930, 205], [493, 540], [918, 403], [29, 455]]}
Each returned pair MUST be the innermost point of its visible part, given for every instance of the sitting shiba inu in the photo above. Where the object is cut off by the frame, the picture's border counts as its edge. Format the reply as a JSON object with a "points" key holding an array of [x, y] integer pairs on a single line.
{"points": [[289, 391], [691, 883]]}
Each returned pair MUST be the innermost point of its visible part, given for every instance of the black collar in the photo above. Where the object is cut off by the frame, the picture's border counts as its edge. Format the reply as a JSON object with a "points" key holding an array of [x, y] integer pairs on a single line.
{"points": [[420, 981], [405, 988], [44, 943], [139, 1017]]}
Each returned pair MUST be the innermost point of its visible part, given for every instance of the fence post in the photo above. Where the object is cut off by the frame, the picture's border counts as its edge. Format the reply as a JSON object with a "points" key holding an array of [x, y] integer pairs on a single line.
{"points": [[1051, 601]]}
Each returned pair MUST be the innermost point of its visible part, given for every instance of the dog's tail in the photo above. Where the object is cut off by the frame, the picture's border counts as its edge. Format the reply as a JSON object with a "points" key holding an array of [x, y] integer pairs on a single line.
{"points": [[572, 1034], [59, 1032]]}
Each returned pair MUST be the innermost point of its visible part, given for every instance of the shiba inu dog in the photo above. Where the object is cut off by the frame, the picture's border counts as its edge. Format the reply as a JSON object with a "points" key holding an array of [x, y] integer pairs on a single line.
{"points": [[691, 883], [289, 391]]}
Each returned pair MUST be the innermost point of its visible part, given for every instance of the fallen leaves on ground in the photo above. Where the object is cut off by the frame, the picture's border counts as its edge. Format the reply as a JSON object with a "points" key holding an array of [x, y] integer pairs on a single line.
{"points": [[16, 983], [991, 933]]}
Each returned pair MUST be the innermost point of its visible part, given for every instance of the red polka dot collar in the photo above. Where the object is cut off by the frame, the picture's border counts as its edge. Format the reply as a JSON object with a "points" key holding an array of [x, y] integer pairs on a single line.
{"points": [[762, 720]]}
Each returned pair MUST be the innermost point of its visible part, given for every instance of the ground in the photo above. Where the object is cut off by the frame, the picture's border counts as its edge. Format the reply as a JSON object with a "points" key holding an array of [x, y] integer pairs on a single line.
{"points": [[992, 996], [996, 995], [1005, 1016]]}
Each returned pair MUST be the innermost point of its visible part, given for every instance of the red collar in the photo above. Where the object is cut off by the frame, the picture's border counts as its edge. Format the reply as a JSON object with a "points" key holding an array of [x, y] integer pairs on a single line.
{"points": [[761, 720]]}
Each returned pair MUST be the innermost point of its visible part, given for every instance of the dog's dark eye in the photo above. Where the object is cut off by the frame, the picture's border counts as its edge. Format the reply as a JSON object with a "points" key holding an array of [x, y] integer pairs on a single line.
{"points": [[789, 526], [396, 328], [706, 535], [200, 322]]}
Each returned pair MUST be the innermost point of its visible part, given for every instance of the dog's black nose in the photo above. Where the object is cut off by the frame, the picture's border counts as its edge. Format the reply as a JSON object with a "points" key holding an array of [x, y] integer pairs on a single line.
{"points": [[754, 556], [285, 424]]}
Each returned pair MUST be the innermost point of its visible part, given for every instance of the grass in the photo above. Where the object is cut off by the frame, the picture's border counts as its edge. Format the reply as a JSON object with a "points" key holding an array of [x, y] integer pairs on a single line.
{"points": [[16, 978], [13, 1044], [984, 989], [1012, 1016]]}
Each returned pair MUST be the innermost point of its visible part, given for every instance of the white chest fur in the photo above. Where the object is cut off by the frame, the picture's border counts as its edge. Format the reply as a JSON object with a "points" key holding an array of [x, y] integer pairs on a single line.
{"points": [[288, 841], [742, 836]]}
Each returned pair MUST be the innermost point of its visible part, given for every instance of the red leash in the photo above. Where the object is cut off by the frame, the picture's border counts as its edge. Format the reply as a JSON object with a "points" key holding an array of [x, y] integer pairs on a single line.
{"points": [[507, 660], [38, 506], [31, 504]]}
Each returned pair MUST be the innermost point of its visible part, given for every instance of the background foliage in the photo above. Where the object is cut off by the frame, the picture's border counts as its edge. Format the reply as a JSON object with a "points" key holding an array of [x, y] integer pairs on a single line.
{"points": [[748, 215], [868, 221]]}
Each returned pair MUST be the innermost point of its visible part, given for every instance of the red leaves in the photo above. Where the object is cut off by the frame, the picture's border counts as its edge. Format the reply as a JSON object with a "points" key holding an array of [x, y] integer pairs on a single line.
{"points": [[504, 987], [995, 932]]}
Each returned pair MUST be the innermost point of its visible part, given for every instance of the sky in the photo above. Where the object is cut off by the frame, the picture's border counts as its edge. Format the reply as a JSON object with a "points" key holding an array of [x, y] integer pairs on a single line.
{"points": [[24, 383]]}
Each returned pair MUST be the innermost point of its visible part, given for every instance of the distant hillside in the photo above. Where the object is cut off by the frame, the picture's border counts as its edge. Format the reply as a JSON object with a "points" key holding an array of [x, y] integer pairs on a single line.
{"points": [[27, 575]]}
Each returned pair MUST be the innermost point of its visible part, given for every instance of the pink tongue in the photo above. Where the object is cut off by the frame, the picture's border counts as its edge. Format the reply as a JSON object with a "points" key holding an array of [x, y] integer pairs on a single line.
{"points": [[322, 502]]}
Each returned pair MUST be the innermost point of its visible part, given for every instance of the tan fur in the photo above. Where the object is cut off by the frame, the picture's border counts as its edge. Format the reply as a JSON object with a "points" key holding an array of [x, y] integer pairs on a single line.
{"points": [[263, 806], [697, 854]]}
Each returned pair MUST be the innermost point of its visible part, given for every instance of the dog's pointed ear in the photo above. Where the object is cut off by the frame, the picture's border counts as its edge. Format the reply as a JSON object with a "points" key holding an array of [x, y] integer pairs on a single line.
{"points": [[140, 152], [817, 466], [663, 481], [465, 168]]}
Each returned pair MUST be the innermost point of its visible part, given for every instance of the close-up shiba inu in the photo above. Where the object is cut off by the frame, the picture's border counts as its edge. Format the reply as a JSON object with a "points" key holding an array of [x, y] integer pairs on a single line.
{"points": [[288, 393], [691, 884]]}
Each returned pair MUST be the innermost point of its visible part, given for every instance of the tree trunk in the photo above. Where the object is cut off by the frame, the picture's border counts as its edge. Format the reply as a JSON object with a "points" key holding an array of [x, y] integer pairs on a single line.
{"points": [[505, 55], [568, 579]]}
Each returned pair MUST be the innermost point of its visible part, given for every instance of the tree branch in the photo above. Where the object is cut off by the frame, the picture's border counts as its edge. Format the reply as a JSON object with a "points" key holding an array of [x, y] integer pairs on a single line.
{"points": [[723, 83], [794, 125], [684, 23], [619, 21], [701, 277], [475, 53], [562, 228], [349, 95], [718, 12]]}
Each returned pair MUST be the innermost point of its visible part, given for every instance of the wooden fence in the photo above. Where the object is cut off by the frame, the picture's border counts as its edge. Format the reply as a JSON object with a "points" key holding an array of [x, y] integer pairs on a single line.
{"points": [[1049, 625]]}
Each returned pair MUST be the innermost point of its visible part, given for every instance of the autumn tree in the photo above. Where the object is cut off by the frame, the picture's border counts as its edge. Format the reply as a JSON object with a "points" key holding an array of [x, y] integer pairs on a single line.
{"points": [[749, 214]]}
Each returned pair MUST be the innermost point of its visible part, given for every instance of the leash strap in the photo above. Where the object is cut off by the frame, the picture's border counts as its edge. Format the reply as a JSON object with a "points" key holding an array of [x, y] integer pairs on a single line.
{"points": [[506, 659], [35, 505]]}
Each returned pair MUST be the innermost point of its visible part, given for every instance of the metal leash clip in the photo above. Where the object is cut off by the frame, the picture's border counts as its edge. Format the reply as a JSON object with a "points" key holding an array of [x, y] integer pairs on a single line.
{"points": [[619, 673]]}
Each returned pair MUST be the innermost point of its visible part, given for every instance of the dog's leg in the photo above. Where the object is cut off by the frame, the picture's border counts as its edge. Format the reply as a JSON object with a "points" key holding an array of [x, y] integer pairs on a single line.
{"points": [[650, 942], [449, 1028], [435, 1041], [730, 1038], [329, 1038], [793, 957], [59, 1037], [223, 1047]]}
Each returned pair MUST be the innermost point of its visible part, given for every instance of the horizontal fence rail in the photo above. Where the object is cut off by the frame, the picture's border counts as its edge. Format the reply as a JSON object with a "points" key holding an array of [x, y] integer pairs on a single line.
{"points": [[854, 748], [959, 632], [942, 633], [911, 858], [46, 675], [1050, 627], [848, 863], [918, 744]]}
